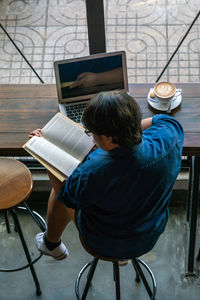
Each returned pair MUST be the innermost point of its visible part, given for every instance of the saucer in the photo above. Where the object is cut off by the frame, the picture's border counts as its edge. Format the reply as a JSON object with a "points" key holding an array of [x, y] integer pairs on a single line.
{"points": [[175, 102]]}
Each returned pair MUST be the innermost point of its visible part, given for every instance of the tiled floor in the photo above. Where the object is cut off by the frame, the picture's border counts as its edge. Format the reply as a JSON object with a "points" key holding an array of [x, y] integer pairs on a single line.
{"points": [[149, 31]]}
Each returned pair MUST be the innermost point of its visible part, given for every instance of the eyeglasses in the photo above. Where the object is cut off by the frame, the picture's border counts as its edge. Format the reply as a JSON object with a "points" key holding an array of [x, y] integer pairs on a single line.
{"points": [[88, 132]]}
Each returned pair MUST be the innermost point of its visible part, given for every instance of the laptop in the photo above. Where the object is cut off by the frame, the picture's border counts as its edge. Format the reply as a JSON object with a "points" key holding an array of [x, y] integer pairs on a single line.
{"points": [[79, 79]]}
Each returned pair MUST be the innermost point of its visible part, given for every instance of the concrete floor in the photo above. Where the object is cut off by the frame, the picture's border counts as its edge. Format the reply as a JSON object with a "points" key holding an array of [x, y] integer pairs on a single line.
{"points": [[57, 279]]}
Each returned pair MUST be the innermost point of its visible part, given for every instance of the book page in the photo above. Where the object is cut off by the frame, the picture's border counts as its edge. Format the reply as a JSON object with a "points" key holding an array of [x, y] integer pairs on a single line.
{"points": [[68, 135], [52, 154], [61, 176]]}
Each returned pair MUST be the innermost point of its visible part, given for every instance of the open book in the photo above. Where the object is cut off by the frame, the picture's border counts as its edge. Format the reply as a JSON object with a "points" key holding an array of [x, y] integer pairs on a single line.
{"points": [[62, 147]]}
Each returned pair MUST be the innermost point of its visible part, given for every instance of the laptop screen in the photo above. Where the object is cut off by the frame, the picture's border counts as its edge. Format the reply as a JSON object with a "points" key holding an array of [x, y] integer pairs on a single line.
{"points": [[81, 78]]}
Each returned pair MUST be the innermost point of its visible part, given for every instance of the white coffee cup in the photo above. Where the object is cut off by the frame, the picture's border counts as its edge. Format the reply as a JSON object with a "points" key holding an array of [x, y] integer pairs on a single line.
{"points": [[164, 91]]}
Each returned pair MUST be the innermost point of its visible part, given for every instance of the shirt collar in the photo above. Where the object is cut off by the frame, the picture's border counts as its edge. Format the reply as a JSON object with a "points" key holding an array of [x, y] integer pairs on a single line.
{"points": [[125, 151]]}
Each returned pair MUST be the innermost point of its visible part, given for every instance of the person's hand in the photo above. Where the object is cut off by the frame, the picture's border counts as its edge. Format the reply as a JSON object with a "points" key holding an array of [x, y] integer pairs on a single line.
{"points": [[83, 80], [55, 182], [36, 132]]}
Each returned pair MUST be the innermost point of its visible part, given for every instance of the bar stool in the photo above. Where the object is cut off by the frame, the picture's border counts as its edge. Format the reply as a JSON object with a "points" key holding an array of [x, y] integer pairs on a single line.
{"points": [[16, 184], [136, 262]]}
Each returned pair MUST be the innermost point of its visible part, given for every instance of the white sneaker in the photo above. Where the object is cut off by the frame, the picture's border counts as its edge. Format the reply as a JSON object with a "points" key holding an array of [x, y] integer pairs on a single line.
{"points": [[58, 253]]}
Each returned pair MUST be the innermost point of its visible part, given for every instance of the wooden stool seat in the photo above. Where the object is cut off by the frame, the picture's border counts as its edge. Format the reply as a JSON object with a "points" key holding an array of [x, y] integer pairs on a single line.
{"points": [[16, 183]]}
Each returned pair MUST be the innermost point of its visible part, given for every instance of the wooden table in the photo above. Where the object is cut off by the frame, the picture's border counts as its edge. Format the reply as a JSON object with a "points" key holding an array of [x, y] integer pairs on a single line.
{"points": [[27, 107], [22, 109]]}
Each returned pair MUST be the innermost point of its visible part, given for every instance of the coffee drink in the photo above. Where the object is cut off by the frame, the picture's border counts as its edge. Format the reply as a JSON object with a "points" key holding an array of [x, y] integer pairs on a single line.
{"points": [[164, 90]]}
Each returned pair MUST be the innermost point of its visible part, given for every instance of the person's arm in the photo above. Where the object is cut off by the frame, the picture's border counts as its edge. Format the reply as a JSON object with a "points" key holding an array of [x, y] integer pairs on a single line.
{"points": [[146, 123], [55, 182]]}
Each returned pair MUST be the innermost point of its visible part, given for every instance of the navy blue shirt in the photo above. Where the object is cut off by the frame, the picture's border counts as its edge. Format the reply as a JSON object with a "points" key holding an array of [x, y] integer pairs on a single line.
{"points": [[123, 194]]}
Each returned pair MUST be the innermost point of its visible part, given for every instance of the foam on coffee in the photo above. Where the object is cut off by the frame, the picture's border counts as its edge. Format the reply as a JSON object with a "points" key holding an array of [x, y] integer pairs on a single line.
{"points": [[164, 90]]}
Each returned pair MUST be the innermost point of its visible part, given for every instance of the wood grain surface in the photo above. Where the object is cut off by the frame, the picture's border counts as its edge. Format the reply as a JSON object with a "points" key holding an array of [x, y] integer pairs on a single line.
{"points": [[24, 108], [15, 183]]}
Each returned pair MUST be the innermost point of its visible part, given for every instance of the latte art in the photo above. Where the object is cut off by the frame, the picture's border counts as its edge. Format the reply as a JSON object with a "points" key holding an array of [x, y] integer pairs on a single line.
{"points": [[164, 90]]}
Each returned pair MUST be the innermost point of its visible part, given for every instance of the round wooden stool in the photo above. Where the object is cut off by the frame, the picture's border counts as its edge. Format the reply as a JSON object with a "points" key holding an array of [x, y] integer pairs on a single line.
{"points": [[16, 184], [136, 262]]}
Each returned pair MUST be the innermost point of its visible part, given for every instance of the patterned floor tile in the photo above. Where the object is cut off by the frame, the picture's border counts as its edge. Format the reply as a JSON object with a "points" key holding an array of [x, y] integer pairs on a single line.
{"points": [[148, 30]]}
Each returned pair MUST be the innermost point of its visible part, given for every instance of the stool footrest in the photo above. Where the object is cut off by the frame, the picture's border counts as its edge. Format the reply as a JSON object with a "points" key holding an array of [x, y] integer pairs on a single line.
{"points": [[41, 223], [136, 262]]}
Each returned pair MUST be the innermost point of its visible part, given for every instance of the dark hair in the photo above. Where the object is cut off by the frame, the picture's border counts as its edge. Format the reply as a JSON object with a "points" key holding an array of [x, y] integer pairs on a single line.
{"points": [[114, 114]]}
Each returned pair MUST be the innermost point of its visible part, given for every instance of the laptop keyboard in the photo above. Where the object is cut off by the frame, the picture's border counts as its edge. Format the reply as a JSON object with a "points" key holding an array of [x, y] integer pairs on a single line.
{"points": [[74, 111]]}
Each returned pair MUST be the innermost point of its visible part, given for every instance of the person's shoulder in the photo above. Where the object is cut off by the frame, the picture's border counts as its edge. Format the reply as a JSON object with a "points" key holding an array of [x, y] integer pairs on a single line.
{"points": [[165, 131], [164, 119], [96, 155], [95, 160], [166, 122]]}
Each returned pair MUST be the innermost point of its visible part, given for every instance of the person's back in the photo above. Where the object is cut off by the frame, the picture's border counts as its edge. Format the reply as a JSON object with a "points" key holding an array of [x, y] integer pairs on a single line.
{"points": [[123, 194]]}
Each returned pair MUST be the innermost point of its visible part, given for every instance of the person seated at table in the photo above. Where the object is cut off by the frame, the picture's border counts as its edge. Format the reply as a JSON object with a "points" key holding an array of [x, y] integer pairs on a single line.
{"points": [[122, 189]]}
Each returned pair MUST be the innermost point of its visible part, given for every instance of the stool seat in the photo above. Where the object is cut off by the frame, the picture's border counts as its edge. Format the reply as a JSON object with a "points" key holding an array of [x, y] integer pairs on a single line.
{"points": [[105, 258], [16, 183]]}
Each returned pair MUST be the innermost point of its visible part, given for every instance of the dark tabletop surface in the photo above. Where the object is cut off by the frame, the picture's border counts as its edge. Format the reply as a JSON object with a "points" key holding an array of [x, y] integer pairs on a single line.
{"points": [[26, 107]]}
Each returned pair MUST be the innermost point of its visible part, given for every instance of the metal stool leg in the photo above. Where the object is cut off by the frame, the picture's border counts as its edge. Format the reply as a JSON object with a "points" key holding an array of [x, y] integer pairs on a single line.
{"points": [[190, 187], [7, 221], [151, 293], [89, 279], [36, 217], [92, 265], [198, 256], [137, 277], [15, 227], [117, 279], [17, 224]]}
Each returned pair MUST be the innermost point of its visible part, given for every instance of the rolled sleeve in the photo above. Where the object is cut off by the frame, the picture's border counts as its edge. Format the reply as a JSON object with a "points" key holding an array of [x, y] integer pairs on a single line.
{"points": [[72, 192], [172, 124], [78, 192], [63, 198]]}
